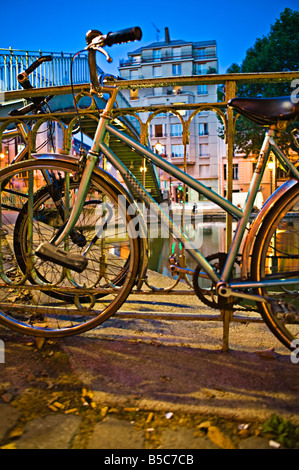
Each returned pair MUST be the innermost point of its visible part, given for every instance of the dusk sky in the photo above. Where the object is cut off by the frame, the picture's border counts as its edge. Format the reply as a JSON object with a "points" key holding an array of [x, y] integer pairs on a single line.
{"points": [[61, 25]]}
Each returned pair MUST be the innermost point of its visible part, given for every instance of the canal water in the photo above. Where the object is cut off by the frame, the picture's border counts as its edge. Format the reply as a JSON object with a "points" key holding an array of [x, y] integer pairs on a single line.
{"points": [[210, 237]]}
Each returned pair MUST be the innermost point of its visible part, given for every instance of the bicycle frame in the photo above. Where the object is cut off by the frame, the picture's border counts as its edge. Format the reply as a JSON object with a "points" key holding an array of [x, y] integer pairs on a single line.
{"points": [[225, 288]]}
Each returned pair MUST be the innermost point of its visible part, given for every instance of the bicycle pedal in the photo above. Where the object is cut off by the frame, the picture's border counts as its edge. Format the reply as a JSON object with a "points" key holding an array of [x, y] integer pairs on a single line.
{"points": [[67, 259]]}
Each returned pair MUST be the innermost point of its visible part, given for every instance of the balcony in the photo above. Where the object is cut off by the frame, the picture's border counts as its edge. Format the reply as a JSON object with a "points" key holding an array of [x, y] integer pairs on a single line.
{"points": [[166, 56], [178, 161]]}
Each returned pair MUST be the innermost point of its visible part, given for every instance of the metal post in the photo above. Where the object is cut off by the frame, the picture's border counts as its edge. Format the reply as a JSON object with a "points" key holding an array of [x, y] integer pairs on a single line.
{"points": [[230, 92]]}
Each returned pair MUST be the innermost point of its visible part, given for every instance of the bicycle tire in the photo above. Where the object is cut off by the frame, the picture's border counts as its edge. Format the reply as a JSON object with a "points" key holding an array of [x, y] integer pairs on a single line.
{"points": [[276, 254], [18, 295]]}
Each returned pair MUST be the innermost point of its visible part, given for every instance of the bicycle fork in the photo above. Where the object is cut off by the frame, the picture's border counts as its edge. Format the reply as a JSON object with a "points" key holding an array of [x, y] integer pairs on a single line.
{"points": [[51, 251]]}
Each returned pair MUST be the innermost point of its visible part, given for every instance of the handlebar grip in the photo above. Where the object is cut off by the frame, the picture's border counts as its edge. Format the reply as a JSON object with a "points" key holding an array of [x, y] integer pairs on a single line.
{"points": [[125, 35], [23, 76]]}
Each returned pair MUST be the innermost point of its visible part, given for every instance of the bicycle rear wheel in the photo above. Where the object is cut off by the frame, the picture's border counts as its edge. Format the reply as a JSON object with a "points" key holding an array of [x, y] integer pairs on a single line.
{"points": [[41, 298], [276, 256]]}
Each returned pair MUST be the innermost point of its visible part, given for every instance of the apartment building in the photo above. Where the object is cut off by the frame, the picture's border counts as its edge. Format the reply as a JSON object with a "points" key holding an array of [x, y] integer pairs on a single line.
{"points": [[178, 58]]}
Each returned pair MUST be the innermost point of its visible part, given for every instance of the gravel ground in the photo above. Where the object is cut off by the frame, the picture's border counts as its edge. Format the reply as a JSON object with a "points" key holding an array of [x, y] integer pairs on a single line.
{"points": [[147, 383]]}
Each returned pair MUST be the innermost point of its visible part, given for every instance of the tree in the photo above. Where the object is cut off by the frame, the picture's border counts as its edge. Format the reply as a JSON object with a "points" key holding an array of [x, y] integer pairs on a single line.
{"points": [[276, 52]]}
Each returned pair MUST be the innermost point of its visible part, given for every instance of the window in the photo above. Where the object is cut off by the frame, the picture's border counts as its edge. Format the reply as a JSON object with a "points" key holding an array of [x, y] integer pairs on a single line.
{"points": [[136, 59], [157, 54], [204, 150], [200, 53], [176, 52], [158, 130], [157, 71], [158, 91], [200, 69], [133, 74], [176, 69], [211, 51], [203, 128], [177, 151], [176, 129], [202, 89], [235, 171], [134, 94]]}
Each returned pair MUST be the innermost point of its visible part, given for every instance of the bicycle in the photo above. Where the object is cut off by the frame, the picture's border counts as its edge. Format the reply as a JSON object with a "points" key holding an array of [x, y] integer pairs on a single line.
{"points": [[268, 279]]}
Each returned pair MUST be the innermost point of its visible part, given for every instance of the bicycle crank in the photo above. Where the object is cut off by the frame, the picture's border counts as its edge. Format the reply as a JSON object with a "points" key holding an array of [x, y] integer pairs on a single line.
{"points": [[205, 289]]}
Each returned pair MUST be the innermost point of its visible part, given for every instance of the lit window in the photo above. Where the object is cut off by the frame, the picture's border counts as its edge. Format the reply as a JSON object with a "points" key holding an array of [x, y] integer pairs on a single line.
{"points": [[177, 90], [134, 94]]}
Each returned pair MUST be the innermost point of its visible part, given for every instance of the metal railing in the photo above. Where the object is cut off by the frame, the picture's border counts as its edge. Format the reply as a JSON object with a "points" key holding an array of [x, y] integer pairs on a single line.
{"points": [[226, 114], [55, 73]]}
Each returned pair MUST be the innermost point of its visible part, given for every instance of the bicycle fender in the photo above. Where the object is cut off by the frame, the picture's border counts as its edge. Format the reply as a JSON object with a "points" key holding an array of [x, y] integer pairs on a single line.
{"points": [[253, 231]]}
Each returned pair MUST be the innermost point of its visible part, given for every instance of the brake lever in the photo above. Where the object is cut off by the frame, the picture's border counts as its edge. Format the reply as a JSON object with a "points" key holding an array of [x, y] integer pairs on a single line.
{"points": [[95, 45]]}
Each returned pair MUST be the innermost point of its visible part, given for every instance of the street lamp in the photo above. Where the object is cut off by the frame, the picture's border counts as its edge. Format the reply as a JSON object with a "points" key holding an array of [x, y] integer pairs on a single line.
{"points": [[158, 147], [2, 156]]}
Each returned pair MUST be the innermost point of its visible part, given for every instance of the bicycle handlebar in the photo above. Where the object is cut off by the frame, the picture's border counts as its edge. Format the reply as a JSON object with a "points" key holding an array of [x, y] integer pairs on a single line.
{"points": [[96, 41], [25, 83], [23, 76]]}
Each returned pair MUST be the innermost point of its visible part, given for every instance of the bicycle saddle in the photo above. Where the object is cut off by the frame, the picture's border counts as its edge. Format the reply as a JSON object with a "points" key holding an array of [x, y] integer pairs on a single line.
{"points": [[266, 111]]}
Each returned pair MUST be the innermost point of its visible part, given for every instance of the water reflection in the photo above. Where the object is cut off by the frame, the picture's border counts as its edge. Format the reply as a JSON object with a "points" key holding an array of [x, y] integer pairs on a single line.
{"points": [[209, 235]]}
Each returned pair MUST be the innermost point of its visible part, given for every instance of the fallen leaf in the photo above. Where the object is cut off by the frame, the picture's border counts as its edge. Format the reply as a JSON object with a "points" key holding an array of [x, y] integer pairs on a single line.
{"points": [[9, 446], [59, 405], [73, 410], [104, 411], [268, 354], [39, 342], [220, 438], [150, 417], [17, 432], [7, 397], [204, 425]]}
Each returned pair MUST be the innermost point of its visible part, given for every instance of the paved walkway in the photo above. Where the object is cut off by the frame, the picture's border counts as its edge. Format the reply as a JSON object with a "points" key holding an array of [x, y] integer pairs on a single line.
{"points": [[147, 383]]}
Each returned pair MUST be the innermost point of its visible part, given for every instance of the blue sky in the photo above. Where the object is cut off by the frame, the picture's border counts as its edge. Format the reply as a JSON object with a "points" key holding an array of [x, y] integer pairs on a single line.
{"points": [[61, 25]]}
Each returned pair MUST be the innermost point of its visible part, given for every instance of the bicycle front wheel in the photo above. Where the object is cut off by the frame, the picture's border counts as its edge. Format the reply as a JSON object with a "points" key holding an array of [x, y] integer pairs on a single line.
{"points": [[46, 219], [276, 256], [39, 297]]}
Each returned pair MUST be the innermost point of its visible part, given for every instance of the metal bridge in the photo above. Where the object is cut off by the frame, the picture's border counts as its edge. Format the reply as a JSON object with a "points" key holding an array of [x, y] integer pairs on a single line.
{"points": [[56, 74]]}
